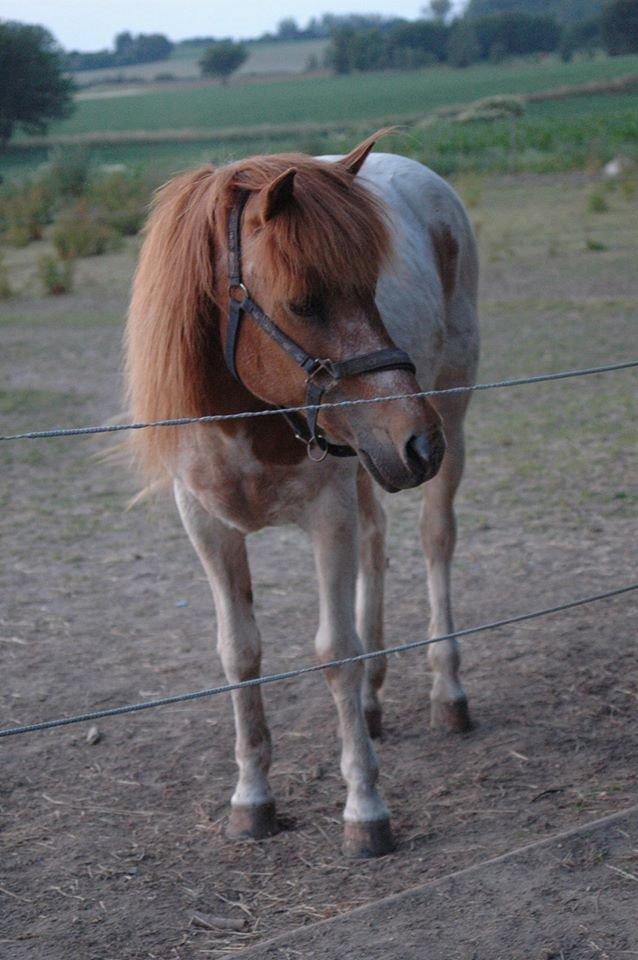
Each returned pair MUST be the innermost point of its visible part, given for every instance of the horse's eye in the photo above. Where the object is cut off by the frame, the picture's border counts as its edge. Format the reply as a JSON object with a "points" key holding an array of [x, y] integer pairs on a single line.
{"points": [[309, 307]]}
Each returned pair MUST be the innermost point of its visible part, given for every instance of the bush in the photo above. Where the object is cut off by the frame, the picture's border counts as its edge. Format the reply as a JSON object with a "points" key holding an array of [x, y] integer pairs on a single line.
{"points": [[69, 171], [6, 290], [25, 211], [82, 232], [56, 275], [121, 199]]}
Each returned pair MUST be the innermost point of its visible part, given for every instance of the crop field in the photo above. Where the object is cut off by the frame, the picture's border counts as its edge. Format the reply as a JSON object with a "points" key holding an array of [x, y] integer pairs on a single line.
{"points": [[104, 606]]}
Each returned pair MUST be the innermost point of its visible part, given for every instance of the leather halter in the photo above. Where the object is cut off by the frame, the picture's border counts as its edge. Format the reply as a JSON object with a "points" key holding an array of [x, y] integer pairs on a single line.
{"points": [[321, 374]]}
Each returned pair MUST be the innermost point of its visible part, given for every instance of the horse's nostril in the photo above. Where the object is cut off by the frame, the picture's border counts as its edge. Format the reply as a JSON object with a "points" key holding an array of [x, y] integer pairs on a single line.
{"points": [[419, 450], [424, 454]]}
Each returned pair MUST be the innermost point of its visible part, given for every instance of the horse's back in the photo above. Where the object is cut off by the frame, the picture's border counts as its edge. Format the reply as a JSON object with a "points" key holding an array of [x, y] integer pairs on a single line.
{"points": [[427, 294]]}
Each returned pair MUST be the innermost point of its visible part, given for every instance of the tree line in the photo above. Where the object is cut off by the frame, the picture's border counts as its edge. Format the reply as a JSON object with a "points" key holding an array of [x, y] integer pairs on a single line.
{"points": [[128, 50], [506, 30]]}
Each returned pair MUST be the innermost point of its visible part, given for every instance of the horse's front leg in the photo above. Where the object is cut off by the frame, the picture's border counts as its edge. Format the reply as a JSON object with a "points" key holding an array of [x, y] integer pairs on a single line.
{"points": [[370, 586], [333, 528], [222, 551]]}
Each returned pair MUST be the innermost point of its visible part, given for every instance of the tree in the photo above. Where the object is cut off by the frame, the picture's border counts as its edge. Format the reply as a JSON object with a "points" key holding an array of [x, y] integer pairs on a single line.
{"points": [[620, 27], [287, 29], [567, 12], [222, 59], [438, 10], [516, 34], [340, 52], [463, 45], [33, 89]]}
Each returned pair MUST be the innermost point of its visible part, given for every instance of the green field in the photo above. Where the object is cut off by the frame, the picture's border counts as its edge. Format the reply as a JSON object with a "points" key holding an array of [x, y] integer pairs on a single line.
{"points": [[329, 114], [323, 99]]}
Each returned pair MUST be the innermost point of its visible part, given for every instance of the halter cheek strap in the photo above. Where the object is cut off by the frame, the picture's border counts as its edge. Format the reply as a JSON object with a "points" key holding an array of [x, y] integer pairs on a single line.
{"points": [[321, 374]]}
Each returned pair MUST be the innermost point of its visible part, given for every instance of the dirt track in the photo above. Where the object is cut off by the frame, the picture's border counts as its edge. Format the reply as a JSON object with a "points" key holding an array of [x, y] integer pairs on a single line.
{"points": [[108, 850]]}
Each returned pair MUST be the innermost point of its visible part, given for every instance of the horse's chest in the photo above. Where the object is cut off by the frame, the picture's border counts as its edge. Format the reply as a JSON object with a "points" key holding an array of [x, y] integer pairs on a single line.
{"points": [[231, 482]]}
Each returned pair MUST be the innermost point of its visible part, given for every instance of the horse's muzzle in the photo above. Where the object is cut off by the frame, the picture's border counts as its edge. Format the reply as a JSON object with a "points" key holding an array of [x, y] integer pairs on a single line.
{"points": [[419, 461]]}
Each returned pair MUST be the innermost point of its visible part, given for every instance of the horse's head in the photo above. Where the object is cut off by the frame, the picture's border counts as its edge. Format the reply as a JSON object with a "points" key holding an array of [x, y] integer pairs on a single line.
{"points": [[313, 242]]}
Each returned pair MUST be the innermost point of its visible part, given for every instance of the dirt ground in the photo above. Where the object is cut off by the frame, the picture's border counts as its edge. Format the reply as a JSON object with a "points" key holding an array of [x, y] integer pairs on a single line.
{"points": [[108, 850], [569, 896]]}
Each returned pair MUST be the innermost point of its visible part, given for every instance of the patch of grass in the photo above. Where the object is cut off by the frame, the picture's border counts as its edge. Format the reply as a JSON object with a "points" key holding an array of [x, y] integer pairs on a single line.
{"points": [[597, 202], [595, 246]]}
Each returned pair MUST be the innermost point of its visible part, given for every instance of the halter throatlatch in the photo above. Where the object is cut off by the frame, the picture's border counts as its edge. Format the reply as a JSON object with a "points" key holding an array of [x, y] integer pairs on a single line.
{"points": [[321, 373]]}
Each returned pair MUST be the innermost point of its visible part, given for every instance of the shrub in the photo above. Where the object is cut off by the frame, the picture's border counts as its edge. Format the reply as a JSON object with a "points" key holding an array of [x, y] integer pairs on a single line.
{"points": [[82, 232], [597, 202], [25, 211], [121, 199], [56, 275], [69, 171], [6, 290]]}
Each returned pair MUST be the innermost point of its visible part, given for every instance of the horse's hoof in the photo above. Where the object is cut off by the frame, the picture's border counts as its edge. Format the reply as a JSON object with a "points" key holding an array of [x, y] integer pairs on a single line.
{"points": [[375, 724], [371, 838], [252, 821], [451, 715]]}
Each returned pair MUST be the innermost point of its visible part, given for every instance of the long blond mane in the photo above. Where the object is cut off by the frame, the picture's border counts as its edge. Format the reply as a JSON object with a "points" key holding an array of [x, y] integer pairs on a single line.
{"points": [[334, 234]]}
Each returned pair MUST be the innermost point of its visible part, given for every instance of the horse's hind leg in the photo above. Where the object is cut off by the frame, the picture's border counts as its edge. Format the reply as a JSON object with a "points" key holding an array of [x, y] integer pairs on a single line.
{"points": [[370, 583], [438, 531], [222, 552]]}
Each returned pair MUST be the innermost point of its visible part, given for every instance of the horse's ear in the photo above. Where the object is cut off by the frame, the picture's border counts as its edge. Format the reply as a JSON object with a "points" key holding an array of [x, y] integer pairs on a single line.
{"points": [[278, 194], [356, 158]]}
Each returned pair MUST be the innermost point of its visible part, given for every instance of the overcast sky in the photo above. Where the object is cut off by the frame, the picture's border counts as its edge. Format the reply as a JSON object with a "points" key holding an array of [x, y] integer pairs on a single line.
{"points": [[92, 24]]}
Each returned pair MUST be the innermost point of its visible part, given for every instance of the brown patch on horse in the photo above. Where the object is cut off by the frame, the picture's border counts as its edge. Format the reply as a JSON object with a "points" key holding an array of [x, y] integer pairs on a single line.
{"points": [[330, 234], [446, 253]]}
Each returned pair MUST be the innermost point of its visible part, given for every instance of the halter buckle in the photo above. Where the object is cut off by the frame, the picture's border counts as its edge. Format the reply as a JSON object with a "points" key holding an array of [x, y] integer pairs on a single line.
{"points": [[326, 365]]}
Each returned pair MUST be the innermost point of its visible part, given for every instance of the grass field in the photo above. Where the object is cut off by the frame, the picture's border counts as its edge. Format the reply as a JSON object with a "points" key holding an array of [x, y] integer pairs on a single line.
{"points": [[325, 99], [167, 129], [183, 64]]}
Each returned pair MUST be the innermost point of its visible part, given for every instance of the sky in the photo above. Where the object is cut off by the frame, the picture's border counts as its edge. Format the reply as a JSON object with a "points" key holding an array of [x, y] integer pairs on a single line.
{"points": [[86, 25]]}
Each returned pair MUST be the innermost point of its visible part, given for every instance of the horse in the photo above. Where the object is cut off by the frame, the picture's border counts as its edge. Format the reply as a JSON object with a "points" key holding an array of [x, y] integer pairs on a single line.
{"points": [[278, 281]]}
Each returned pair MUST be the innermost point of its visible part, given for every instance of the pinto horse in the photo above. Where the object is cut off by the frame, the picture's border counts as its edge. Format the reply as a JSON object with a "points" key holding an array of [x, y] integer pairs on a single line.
{"points": [[277, 281]]}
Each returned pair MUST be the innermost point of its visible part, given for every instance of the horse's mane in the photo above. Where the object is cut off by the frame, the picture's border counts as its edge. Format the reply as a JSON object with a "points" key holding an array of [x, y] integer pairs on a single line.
{"points": [[333, 235]]}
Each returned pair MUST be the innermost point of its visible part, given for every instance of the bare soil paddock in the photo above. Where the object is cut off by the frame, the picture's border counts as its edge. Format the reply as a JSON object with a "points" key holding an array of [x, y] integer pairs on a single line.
{"points": [[108, 850]]}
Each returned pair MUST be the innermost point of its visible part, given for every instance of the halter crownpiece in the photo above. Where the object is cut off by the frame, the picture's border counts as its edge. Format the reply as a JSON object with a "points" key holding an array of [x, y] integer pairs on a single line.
{"points": [[321, 373]]}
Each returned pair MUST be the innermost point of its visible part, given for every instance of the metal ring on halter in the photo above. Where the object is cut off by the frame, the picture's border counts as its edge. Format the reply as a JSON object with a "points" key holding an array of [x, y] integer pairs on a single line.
{"points": [[239, 286], [311, 444]]}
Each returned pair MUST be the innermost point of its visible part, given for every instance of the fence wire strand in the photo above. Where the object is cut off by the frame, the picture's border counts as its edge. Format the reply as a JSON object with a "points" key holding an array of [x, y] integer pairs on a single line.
{"points": [[274, 411], [311, 668]]}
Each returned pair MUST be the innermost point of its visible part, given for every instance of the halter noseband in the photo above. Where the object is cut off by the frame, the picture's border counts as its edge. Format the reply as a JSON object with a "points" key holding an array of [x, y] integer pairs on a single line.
{"points": [[321, 374]]}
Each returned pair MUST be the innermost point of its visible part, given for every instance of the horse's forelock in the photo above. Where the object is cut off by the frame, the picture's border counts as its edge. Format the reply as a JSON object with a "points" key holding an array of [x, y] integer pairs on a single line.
{"points": [[333, 233]]}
